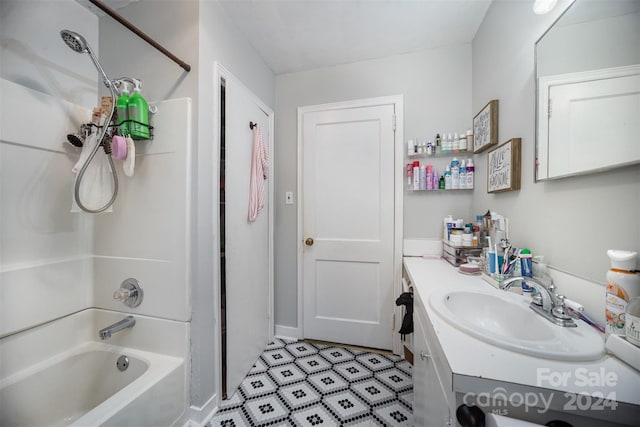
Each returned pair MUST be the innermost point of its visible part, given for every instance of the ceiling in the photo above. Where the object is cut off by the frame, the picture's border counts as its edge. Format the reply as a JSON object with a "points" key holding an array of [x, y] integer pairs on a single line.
{"points": [[297, 35]]}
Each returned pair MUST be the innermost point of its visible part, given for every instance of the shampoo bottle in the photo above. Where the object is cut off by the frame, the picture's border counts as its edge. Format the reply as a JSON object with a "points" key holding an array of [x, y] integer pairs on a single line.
{"points": [[122, 106], [139, 114]]}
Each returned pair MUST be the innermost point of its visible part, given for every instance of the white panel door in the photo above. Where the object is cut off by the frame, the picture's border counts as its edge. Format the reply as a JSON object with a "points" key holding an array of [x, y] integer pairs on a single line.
{"points": [[246, 244], [348, 212]]}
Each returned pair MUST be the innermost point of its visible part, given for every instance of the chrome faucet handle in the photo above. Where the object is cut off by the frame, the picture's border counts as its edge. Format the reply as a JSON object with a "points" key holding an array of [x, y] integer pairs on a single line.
{"points": [[559, 309], [536, 298], [130, 293], [122, 294]]}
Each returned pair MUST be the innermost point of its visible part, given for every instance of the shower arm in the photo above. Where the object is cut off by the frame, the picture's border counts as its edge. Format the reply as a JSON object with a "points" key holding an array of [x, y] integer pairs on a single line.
{"points": [[121, 19]]}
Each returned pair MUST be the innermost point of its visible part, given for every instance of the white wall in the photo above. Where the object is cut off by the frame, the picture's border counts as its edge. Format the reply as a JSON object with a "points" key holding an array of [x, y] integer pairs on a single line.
{"points": [[45, 265], [219, 41], [200, 34], [436, 85], [571, 221], [33, 55]]}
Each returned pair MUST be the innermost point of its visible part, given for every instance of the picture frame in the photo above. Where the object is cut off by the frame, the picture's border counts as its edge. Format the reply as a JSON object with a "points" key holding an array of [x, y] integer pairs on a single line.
{"points": [[485, 127], [503, 167]]}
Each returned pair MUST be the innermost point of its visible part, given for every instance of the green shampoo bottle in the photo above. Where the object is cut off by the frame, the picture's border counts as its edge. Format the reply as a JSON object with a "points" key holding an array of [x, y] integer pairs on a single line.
{"points": [[139, 114], [122, 107]]}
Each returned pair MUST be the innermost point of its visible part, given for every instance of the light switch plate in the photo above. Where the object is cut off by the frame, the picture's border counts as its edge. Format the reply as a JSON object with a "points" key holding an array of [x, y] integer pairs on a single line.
{"points": [[288, 198]]}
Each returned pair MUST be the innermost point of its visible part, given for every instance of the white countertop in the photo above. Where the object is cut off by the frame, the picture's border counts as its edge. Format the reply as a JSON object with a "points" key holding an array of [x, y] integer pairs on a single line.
{"points": [[472, 357]]}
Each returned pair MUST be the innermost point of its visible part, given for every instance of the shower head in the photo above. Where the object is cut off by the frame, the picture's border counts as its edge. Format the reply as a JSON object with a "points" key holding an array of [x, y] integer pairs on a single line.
{"points": [[75, 41], [78, 44]]}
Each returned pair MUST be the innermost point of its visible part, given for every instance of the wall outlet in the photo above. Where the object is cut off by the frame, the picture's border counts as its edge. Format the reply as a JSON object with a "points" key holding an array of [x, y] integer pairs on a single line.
{"points": [[288, 198]]}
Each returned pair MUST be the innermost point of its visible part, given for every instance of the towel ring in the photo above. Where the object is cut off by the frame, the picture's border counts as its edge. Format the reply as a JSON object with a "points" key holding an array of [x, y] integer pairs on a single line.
{"points": [[252, 125]]}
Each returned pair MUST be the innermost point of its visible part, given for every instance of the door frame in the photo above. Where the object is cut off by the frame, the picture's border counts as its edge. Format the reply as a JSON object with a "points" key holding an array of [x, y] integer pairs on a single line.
{"points": [[398, 102], [220, 74]]}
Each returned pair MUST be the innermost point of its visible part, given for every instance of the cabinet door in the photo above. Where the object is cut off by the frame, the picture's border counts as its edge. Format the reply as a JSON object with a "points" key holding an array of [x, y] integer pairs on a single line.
{"points": [[430, 406]]}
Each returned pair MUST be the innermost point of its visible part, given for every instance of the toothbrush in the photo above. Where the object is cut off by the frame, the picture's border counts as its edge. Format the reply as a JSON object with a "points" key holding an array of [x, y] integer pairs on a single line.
{"points": [[586, 319]]}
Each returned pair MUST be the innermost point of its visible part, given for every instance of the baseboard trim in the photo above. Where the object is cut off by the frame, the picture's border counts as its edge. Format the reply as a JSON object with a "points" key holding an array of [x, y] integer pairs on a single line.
{"points": [[200, 416], [288, 332]]}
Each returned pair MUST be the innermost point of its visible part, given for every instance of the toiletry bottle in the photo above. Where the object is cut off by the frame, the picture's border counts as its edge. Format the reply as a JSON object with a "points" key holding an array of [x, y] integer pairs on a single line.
{"points": [[462, 143], [411, 149], [455, 174], [469, 136], [526, 262], [438, 143], [122, 106], [435, 177], [463, 174], [448, 225], [441, 183], [138, 113], [447, 178], [454, 143], [429, 177], [622, 285], [470, 173], [632, 321], [449, 143], [423, 178], [409, 176], [539, 267], [416, 175]]}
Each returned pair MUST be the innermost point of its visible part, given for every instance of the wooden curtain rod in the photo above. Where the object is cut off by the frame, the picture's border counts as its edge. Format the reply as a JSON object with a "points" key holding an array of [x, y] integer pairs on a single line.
{"points": [[115, 15]]}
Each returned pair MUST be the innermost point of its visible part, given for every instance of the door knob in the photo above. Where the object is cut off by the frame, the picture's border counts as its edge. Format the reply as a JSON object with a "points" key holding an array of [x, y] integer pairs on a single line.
{"points": [[309, 241]]}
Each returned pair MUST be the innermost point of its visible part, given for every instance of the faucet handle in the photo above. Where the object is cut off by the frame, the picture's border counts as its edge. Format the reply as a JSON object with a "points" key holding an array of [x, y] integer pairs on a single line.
{"points": [[560, 309], [130, 293], [122, 294]]}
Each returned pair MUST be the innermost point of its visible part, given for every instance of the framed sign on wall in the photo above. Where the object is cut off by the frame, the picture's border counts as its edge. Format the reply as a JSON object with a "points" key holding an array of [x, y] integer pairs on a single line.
{"points": [[485, 127], [503, 167]]}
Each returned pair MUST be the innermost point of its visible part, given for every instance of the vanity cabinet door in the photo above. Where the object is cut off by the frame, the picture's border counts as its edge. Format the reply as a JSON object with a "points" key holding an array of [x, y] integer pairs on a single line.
{"points": [[430, 407]]}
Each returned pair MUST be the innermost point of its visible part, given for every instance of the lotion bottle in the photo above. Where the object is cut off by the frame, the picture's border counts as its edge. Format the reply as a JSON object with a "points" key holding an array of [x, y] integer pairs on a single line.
{"points": [[470, 172], [623, 284]]}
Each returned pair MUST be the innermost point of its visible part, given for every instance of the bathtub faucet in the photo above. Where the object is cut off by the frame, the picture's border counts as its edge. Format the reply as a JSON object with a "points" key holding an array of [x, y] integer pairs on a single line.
{"points": [[125, 323]]}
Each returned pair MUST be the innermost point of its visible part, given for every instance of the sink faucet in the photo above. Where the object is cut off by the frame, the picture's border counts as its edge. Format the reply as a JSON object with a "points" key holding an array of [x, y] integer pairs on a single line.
{"points": [[125, 323], [545, 301]]}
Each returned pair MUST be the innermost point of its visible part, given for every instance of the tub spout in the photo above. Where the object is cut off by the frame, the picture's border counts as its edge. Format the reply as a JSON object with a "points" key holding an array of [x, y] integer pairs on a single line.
{"points": [[125, 323]]}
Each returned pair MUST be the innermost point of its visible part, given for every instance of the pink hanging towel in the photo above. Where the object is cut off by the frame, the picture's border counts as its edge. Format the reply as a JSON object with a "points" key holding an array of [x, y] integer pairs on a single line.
{"points": [[259, 173]]}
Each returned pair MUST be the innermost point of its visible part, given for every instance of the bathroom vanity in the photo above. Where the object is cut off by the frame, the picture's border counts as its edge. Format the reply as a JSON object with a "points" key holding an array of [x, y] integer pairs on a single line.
{"points": [[584, 386]]}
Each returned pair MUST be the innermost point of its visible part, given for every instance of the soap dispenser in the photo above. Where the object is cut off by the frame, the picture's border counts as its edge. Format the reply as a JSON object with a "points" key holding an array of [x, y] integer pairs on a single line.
{"points": [[122, 106], [139, 113]]}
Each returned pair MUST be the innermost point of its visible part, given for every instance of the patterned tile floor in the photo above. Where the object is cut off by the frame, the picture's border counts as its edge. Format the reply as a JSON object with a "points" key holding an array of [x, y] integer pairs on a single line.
{"points": [[308, 384]]}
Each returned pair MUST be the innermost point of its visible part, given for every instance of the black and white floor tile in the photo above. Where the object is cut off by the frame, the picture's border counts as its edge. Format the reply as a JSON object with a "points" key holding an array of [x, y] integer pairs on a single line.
{"points": [[298, 384]]}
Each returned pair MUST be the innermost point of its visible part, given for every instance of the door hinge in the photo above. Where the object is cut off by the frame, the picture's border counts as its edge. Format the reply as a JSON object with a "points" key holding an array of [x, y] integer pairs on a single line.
{"points": [[549, 109], [393, 122]]}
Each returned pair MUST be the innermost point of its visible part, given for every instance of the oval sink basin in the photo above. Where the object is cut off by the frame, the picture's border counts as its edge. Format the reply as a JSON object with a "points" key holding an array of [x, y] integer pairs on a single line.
{"points": [[505, 320]]}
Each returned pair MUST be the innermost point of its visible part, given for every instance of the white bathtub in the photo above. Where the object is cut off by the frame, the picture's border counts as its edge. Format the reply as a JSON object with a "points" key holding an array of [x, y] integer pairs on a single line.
{"points": [[82, 386]]}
